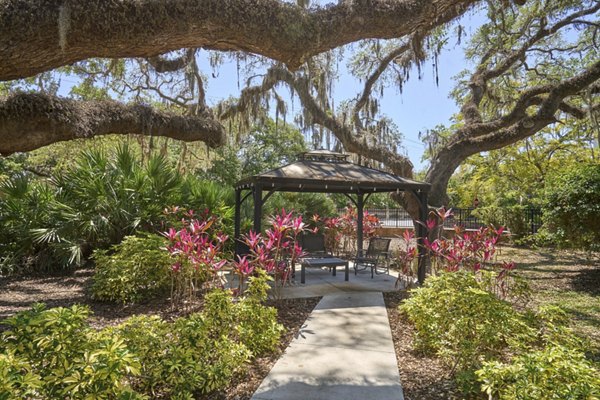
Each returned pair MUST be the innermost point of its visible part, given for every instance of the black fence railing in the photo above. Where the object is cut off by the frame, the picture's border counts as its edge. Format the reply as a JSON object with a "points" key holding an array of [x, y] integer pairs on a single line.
{"points": [[526, 219]]}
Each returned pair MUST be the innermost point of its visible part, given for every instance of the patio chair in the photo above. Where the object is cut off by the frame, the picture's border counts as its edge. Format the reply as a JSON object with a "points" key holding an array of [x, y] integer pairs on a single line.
{"points": [[313, 245], [376, 257]]}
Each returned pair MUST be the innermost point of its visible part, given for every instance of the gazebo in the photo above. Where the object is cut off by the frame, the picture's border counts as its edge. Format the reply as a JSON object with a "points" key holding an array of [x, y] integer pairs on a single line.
{"points": [[324, 171]]}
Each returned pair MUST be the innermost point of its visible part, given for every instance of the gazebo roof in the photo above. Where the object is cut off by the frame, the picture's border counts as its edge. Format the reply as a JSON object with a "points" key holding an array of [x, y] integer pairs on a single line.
{"points": [[326, 171]]}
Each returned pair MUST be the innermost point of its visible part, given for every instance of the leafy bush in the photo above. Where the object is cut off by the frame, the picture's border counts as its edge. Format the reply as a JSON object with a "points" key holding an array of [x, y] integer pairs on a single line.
{"points": [[257, 325], [551, 367], [58, 355], [136, 269], [54, 353], [17, 380], [306, 204], [571, 211], [458, 319], [512, 217], [201, 353], [553, 372]]}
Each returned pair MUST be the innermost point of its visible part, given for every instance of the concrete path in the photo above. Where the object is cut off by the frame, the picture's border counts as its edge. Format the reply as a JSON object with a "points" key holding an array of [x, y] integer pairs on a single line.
{"points": [[344, 351]]}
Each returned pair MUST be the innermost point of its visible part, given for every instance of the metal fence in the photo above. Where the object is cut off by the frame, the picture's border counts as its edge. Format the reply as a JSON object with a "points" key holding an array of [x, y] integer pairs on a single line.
{"points": [[530, 218]]}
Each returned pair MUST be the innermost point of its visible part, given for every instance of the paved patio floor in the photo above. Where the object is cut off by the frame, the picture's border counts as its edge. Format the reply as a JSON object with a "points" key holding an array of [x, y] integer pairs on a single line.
{"points": [[320, 282], [344, 351]]}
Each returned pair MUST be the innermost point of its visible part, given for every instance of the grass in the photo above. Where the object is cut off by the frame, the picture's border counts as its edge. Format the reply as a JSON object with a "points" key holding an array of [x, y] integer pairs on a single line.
{"points": [[568, 279]]}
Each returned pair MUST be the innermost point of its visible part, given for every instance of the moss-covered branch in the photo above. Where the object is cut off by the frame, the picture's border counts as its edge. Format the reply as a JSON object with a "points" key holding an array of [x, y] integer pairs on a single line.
{"points": [[30, 121], [39, 35]]}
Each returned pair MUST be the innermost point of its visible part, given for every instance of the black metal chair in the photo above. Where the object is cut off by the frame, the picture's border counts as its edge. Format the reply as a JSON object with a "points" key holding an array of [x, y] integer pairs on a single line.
{"points": [[375, 257], [313, 245]]}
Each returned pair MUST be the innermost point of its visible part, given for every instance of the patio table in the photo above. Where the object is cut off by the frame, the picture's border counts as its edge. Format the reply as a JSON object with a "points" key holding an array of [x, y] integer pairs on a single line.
{"points": [[331, 262]]}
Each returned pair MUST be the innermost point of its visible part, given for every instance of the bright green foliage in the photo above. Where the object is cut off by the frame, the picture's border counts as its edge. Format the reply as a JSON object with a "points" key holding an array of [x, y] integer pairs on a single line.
{"points": [[572, 207], [554, 372], [202, 352], [554, 368], [257, 325], [59, 356], [305, 204], [136, 269], [512, 217], [459, 320], [475, 334], [17, 380], [516, 174], [263, 148], [54, 354]]}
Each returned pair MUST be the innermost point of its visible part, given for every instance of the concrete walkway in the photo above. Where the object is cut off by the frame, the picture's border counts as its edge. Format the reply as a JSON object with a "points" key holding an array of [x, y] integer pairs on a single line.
{"points": [[344, 351]]}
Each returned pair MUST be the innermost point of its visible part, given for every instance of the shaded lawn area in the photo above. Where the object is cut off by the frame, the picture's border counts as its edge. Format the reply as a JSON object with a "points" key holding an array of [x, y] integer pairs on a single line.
{"points": [[568, 279]]}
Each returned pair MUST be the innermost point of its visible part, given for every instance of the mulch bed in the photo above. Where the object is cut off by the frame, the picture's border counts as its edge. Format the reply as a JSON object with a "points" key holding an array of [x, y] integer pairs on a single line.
{"points": [[19, 293], [422, 377]]}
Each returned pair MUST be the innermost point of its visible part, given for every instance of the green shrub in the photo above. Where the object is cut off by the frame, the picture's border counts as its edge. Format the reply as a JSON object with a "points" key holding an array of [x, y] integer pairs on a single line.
{"points": [[551, 366], [59, 356], [135, 270], [54, 354], [202, 352], [182, 358], [17, 379], [512, 217], [571, 211], [490, 215], [148, 337], [459, 320], [257, 325]]}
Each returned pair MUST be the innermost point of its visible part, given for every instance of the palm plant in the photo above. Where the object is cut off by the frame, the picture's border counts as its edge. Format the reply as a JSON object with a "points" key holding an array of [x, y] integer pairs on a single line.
{"points": [[98, 201]]}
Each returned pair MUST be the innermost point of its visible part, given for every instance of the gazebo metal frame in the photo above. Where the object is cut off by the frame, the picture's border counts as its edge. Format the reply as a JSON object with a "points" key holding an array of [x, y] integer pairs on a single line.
{"points": [[323, 171]]}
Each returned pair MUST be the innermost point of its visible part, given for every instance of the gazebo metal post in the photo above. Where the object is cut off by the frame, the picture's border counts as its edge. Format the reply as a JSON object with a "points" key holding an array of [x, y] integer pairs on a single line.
{"points": [[258, 203], [421, 234], [360, 204]]}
